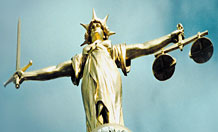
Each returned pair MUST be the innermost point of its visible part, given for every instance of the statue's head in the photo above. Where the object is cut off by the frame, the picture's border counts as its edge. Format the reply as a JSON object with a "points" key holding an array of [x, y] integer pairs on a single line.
{"points": [[96, 30]]}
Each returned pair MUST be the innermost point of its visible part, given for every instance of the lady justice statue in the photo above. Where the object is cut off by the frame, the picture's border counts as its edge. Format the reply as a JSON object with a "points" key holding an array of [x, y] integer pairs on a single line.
{"points": [[98, 66]]}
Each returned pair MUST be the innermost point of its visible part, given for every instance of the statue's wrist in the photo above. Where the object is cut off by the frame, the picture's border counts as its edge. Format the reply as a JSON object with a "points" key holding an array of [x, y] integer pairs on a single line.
{"points": [[174, 33], [174, 36], [25, 76]]}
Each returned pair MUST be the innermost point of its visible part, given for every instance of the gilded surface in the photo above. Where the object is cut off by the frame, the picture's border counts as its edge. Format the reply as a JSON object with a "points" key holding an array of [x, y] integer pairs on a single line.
{"points": [[101, 84], [98, 66]]}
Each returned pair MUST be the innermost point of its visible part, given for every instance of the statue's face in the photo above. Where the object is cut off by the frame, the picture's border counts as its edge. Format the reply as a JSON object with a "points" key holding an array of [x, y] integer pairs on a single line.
{"points": [[96, 32]]}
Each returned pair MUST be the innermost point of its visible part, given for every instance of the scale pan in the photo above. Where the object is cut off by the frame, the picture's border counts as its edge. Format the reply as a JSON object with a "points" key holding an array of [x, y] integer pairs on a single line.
{"points": [[201, 50], [163, 67]]}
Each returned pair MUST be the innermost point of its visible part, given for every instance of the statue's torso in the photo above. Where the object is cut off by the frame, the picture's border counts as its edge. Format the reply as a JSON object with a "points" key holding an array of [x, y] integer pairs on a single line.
{"points": [[101, 82], [98, 67]]}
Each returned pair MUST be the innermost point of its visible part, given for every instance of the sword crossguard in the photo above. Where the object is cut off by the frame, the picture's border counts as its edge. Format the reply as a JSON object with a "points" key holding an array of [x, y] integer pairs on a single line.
{"points": [[27, 66], [16, 77]]}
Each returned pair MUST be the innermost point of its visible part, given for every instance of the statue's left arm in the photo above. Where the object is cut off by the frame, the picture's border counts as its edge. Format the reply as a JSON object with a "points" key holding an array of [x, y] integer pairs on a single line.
{"points": [[150, 47]]}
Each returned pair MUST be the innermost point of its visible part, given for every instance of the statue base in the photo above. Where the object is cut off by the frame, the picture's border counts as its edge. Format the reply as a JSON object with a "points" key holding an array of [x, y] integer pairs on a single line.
{"points": [[111, 128]]}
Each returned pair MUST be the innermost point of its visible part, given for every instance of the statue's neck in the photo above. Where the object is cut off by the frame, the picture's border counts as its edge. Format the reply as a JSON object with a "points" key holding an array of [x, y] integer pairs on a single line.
{"points": [[96, 37]]}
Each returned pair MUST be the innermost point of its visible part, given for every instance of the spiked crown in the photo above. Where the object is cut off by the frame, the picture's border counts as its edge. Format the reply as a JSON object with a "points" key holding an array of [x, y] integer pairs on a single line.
{"points": [[88, 27]]}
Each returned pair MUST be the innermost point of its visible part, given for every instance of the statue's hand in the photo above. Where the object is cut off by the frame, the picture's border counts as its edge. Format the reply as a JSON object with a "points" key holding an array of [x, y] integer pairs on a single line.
{"points": [[18, 78], [175, 35]]}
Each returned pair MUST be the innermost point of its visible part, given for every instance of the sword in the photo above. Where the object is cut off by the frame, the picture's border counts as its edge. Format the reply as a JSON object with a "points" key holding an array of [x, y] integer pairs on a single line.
{"points": [[15, 77]]}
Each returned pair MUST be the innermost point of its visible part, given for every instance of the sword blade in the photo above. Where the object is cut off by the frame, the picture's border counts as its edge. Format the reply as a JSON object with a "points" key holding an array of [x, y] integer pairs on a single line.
{"points": [[18, 46]]}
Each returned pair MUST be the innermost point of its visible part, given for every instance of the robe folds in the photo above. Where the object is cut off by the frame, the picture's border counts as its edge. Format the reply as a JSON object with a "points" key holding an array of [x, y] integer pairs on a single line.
{"points": [[97, 66]]}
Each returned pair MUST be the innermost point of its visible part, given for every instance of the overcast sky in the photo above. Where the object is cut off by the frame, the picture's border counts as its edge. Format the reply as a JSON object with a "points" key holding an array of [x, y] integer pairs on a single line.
{"points": [[51, 33]]}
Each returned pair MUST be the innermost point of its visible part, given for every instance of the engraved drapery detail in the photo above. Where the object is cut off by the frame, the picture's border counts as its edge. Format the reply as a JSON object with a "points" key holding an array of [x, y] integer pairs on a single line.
{"points": [[98, 66]]}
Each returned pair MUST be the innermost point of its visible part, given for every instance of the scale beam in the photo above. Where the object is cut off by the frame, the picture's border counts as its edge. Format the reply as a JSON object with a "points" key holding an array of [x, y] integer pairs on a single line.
{"points": [[184, 42]]}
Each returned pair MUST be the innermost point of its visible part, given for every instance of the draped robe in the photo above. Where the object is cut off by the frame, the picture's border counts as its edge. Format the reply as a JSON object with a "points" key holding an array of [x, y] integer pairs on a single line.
{"points": [[98, 67]]}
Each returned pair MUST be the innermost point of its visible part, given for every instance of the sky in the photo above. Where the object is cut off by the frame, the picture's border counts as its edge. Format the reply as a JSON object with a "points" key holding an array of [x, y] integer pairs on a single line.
{"points": [[51, 34]]}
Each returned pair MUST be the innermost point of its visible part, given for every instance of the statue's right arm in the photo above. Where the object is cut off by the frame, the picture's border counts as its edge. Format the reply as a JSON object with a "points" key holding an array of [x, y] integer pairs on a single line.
{"points": [[64, 69]]}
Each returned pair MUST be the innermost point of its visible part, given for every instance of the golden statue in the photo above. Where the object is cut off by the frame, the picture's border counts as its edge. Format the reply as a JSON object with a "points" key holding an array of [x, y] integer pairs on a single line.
{"points": [[98, 66]]}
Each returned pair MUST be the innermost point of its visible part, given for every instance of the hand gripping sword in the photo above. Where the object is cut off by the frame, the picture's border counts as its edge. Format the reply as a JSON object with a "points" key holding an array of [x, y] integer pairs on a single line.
{"points": [[15, 77]]}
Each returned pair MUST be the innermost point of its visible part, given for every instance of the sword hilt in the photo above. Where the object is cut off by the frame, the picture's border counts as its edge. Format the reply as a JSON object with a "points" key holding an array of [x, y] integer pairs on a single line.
{"points": [[17, 78], [17, 83]]}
